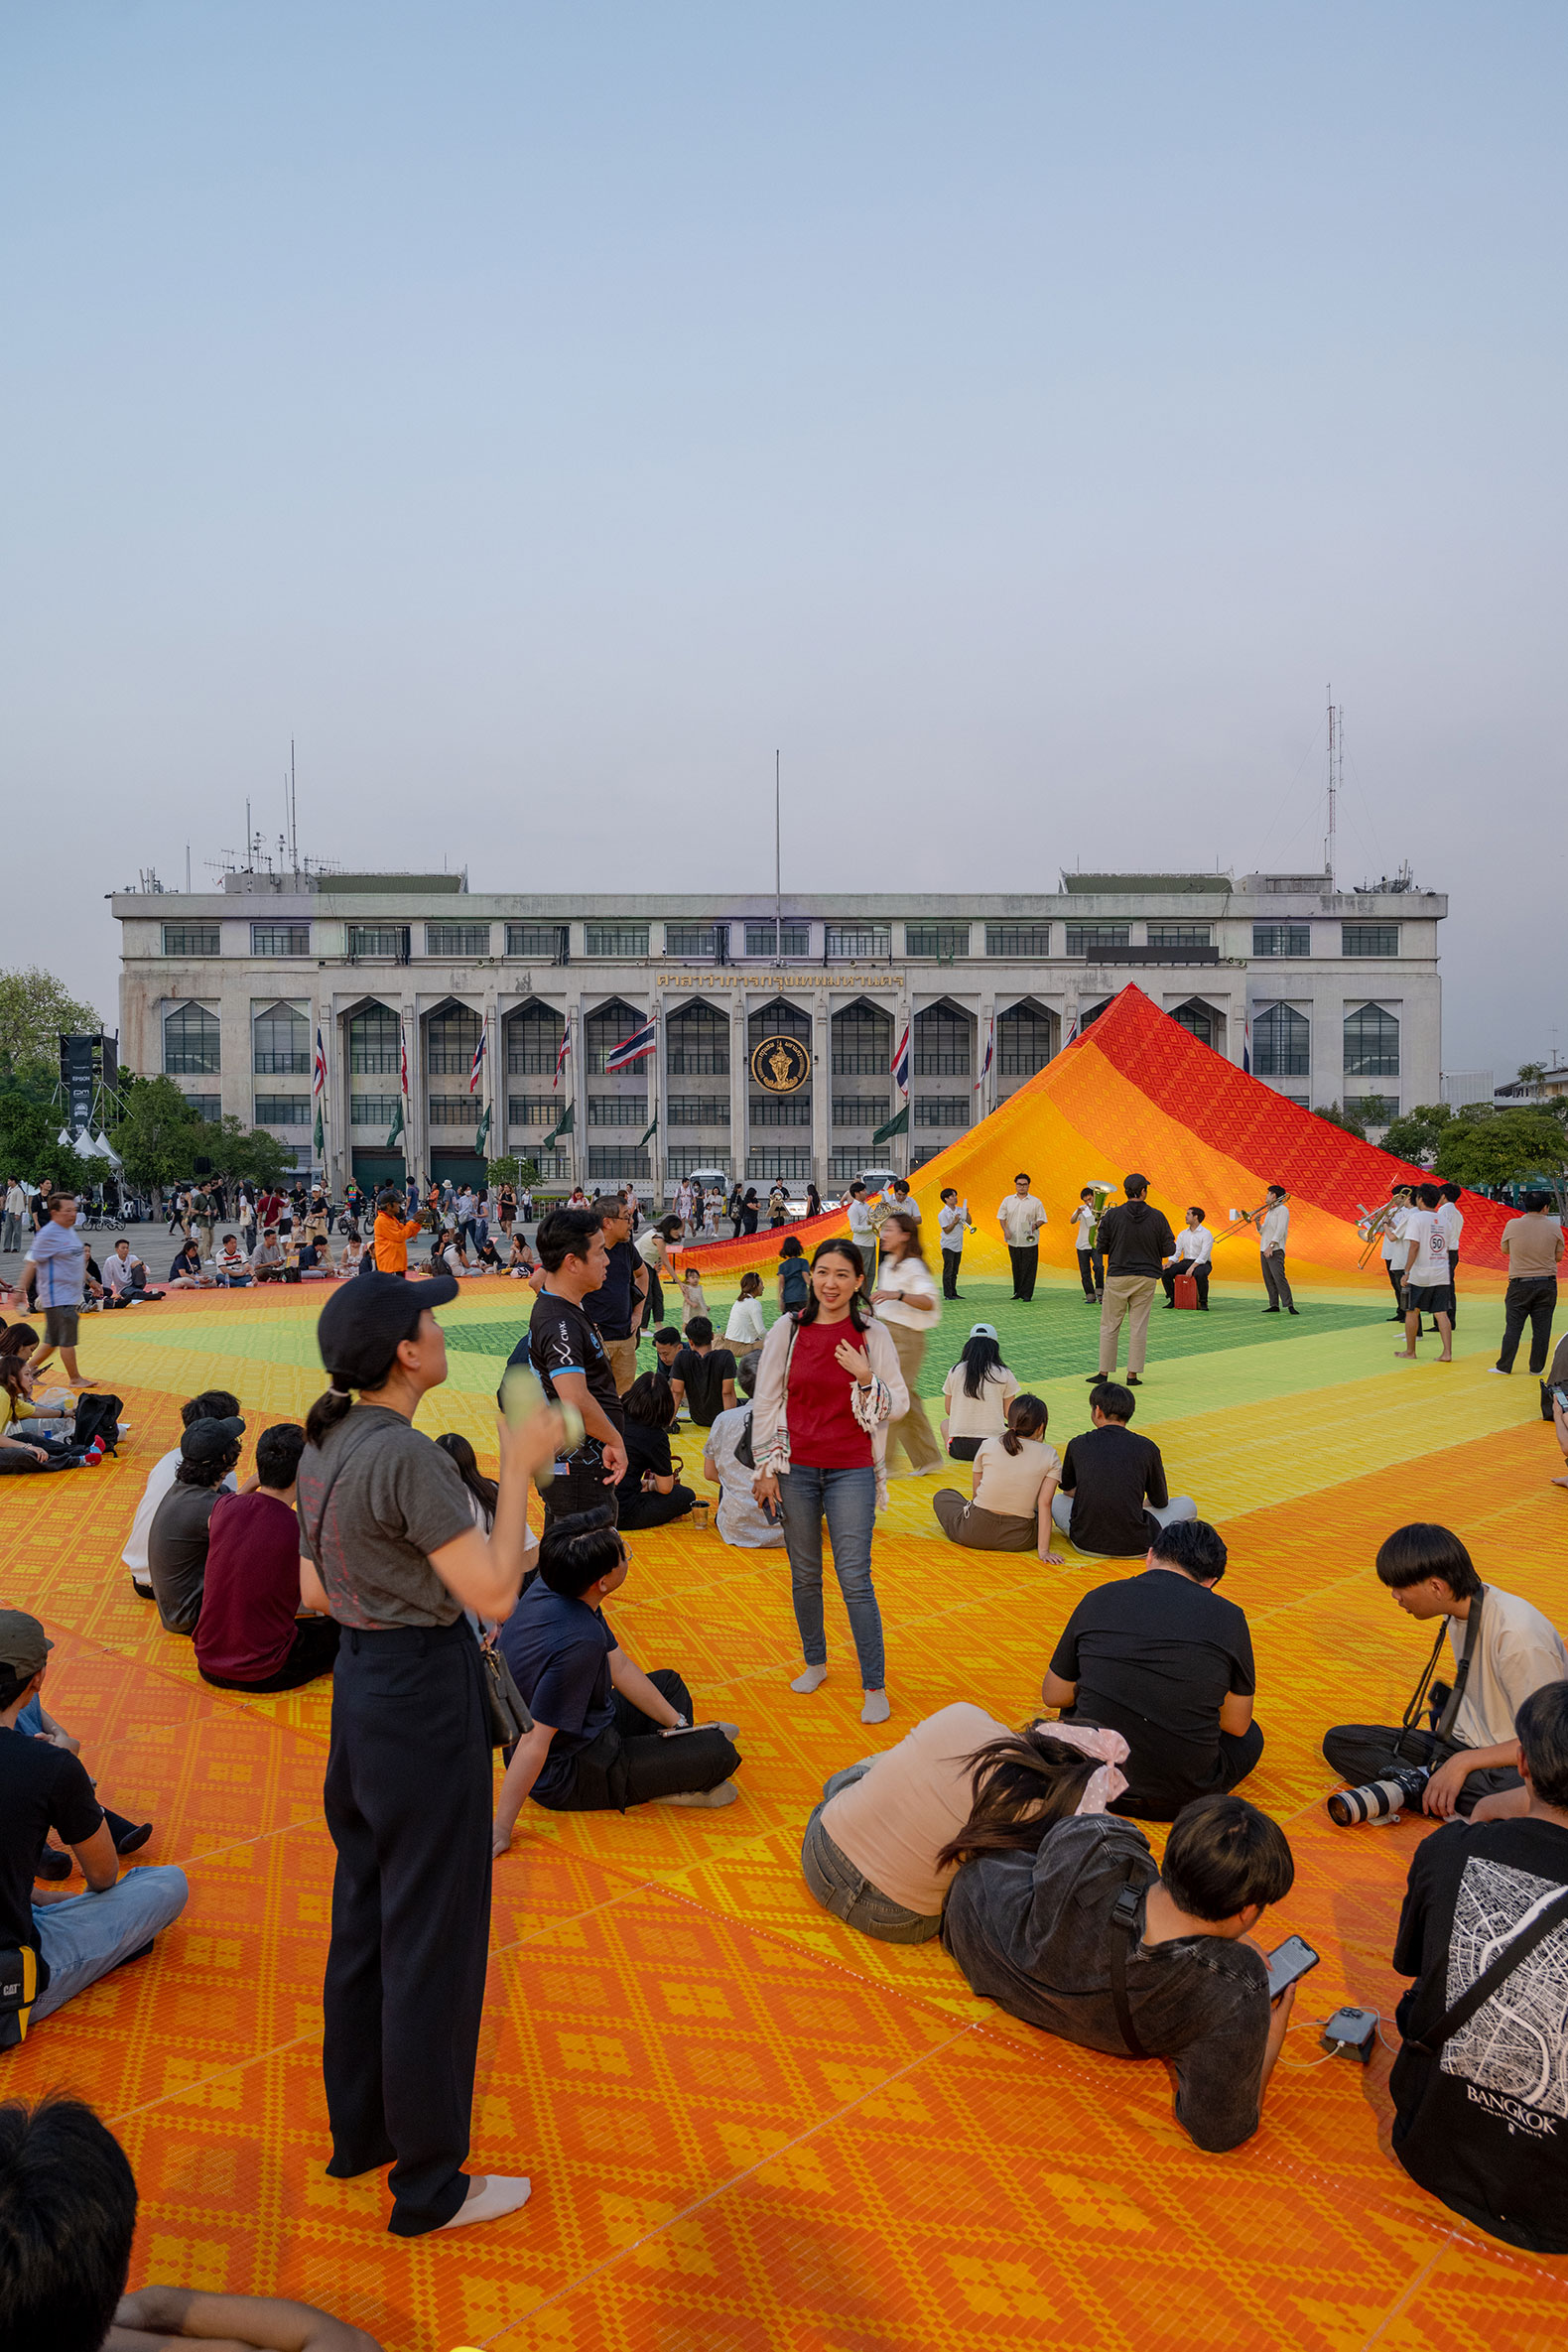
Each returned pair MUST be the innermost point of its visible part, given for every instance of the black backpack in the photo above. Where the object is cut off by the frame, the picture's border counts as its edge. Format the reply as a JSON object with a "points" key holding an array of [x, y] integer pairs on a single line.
{"points": [[99, 1416]]}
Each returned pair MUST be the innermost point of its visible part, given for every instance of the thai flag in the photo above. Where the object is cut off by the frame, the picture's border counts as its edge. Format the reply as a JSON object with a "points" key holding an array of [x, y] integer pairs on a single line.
{"points": [[1073, 1032], [900, 1064], [634, 1048], [561, 1058], [1246, 1045], [991, 1050], [320, 1087], [402, 1054], [477, 1071]]}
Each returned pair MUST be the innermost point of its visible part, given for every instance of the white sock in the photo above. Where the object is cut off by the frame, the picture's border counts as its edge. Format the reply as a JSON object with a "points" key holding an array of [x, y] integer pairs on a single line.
{"points": [[812, 1678], [876, 1708], [497, 2197]]}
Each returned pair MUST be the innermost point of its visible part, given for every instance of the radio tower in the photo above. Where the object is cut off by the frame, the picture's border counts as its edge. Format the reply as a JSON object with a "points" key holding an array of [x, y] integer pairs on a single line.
{"points": [[1335, 765]]}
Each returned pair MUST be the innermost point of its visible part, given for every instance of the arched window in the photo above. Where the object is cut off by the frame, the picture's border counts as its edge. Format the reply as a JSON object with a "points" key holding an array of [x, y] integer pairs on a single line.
{"points": [[1282, 1043], [1025, 1040], [1196, 1018], [697, 1041], [533, 1040], [190, 1042], [1093, 1013], [862, 1040], [606, 1029], [374, 1041], [452, 1041], [942, 1042], [780, 1019], [280, 1041], [1372, 1043]]}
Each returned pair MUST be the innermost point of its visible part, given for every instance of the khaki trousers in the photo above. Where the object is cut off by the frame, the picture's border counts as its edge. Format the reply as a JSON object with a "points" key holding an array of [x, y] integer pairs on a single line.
{"points": [[913, 1431], [622, 1355], [1128, 1295]]}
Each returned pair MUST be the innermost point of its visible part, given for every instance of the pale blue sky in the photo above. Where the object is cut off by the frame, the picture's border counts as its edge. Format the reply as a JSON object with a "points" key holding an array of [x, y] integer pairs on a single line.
{"points": [[1017, 413]]}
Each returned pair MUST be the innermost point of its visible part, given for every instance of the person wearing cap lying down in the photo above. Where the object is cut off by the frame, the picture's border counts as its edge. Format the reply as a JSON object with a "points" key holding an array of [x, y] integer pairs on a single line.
{"points": [[881, 1847]]}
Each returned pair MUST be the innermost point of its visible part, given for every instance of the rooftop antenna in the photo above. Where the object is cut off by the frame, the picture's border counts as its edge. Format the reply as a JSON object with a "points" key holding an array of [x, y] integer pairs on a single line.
{"points": [[778, 867], [1336, 765]]}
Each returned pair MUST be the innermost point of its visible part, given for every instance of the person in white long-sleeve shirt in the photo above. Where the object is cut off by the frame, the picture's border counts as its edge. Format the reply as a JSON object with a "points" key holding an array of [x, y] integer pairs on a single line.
{"points": [[952, 1218], [1194, 1248], [1273, 1229], [1021, 1217]]}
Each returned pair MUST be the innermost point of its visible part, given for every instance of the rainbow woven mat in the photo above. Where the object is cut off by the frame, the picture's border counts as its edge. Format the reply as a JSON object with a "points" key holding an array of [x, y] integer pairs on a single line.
{"points": [[747, 2125]]}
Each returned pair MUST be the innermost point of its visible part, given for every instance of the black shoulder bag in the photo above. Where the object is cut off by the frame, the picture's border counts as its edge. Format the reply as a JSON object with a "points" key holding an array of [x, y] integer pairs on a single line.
{"points": [[1551, 1915], [1410, 1723]]}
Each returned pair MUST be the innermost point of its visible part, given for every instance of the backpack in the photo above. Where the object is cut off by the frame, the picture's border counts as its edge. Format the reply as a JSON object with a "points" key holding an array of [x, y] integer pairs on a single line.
{"points": [[99, 1416]]}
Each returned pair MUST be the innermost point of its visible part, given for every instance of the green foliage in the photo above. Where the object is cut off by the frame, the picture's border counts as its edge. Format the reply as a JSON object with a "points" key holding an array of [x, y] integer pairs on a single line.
{"points": [[1501, 1148], [236, 1151], [160, 1137], [1417, 1136], [1531, 1073], [1345, 1119], [28, 1148], [511, 1169], [35, 1009]]}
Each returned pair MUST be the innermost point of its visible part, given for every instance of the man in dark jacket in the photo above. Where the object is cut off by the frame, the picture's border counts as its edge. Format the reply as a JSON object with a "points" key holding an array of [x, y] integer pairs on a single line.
{"points": [[1136, 1240]]}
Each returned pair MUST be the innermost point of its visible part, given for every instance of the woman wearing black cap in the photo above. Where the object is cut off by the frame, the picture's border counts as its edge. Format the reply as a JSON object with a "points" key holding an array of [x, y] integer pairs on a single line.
{"points": [[386, 1516]]}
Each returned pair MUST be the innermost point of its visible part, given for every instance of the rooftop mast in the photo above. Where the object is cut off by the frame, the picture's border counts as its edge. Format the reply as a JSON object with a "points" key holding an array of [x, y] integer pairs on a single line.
{"points": [[1335, 765]]}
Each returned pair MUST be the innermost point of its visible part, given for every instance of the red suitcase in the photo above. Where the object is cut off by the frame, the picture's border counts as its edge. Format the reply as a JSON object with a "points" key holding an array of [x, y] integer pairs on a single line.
{"points": [[1184, 1290]]}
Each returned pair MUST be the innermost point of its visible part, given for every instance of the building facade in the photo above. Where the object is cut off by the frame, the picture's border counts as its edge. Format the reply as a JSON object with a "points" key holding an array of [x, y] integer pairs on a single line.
{"points": [[1332, 995]]}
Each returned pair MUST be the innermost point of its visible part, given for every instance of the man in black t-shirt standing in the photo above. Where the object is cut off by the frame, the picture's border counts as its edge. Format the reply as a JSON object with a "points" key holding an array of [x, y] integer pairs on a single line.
{"points": [[1162, 1659], [615, 1308], [704, 1374], [1480, 2116], [569, 1356], [1112, 1499], [73, 1939]]}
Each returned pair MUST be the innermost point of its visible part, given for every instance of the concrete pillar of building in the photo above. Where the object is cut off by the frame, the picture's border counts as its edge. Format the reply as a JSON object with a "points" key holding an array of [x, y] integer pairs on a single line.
{"points": [[739, 1084], [821, 1086]]}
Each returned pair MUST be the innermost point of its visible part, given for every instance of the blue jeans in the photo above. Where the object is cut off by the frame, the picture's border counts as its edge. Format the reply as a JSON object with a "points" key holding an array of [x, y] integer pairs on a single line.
{"points": [[847, 1499], [846, 1891], [86, 1935]]}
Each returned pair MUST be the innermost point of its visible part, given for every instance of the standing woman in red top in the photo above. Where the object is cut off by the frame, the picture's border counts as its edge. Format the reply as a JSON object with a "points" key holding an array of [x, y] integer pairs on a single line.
{"points": [[827, 1386]]}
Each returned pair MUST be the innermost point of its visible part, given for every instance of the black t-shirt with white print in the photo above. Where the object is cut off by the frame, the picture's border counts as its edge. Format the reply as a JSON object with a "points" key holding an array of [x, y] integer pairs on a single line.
{"points": [[1484, 2124], [561, 1339]]}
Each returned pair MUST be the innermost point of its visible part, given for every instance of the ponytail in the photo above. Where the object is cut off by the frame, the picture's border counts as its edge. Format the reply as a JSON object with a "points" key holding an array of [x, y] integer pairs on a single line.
{"points": [[325, 1414], [1026, 1417], [1020, 1786]]}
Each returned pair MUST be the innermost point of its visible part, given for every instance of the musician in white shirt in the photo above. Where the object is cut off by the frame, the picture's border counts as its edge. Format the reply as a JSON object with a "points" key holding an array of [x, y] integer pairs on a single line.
{"points": [[1021, 1217], [1393, 1250], [952, 1218], [1426, 1276], [1451, 1219], [1273, 1228], [1194, 1248]]}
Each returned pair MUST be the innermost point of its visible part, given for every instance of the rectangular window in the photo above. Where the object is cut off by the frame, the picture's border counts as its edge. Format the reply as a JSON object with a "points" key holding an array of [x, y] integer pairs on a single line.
{"points": [[1097, 939], [190, 939], [1181, 935], [1376, 1110], [535, 1111], [860, 1111], [937, 939], [1017, 939], [942, 1110], [1369, 939], [456, 939], [207, 1106], [617, 1110], [699, 1110], [539, 940], [619, 1160], [1282, 939], [793, 1166], [456, 1111], [859, 943], [781, 1110], [279, 939], [794, 939], [373, 1110], [381, 941], [617, 939], [923, 1152], [844, 1166], [282, 1110], [697, 940]]}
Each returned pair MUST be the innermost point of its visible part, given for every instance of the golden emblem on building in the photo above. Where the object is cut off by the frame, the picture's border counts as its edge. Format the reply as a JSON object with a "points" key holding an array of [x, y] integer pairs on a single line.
{"points": [[780, 1065]]}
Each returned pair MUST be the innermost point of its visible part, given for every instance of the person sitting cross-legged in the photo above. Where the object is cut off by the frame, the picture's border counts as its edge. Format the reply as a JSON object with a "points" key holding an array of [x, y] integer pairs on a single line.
{"points": [[250, 1634], [606, 1735], [703, 1376], [1160, 1657], [212, 1404], [880, 1850], [1113, 1495], [650, 1495], [66, 1942], [177, 1541], [1086, 1940], [741, 1521], [1013, 1485]]}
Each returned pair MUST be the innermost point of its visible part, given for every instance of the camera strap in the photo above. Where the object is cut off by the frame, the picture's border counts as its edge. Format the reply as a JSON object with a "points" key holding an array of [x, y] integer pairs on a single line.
{"points": [[1551, 1915], [1443, 1728], [1127, 1925]]}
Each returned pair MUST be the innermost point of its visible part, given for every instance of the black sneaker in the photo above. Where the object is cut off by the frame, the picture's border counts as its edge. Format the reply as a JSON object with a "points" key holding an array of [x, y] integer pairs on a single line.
{"points": [[134, 1839], [52, 1864]]}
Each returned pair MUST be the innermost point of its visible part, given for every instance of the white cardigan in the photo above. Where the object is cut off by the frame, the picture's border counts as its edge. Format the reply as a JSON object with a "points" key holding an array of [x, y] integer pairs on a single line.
{"points": [[888, 1400]]}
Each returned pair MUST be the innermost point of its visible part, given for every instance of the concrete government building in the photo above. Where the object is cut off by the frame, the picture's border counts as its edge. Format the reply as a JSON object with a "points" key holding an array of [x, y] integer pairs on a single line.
{"points": [[1335, 993]]}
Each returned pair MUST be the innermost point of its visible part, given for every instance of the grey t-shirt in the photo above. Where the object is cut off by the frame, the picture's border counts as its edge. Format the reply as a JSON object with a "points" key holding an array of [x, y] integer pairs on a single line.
{"points": [[390, 1496], [177, 1554], [1032, 1932]]}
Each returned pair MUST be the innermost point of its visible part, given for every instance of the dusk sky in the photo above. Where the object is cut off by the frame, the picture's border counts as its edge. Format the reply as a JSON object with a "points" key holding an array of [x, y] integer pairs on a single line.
{"points": [[1017, 414]]}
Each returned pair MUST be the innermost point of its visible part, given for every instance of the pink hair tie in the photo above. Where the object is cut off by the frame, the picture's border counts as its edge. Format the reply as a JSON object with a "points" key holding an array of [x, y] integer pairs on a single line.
{"points": [[1110, 1747]]}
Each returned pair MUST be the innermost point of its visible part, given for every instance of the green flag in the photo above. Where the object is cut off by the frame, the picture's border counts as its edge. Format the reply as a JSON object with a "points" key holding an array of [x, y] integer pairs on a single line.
{"points": [[567, 1122], [647, 1131], [894, 1127], [321, 1133], [397, 1127], [483, 1134]]}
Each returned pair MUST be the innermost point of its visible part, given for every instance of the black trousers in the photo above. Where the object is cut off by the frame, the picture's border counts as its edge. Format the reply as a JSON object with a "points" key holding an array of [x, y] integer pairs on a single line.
{"points": [[1362, 1751], [1453, 1295], [1182, 1266], [1025, 1265], [1272, 1263], [409, 1808], [949, 1272], [1395, 1276], [314, 1652], [655, 1510], [1092, 1273], [1162, 1800], [630, 1761], [1532, 1300]]}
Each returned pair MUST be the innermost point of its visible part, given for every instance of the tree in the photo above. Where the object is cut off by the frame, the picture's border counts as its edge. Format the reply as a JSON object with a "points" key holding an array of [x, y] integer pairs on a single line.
{"points": [[158, 1138], [510, 1169], [1417, 1136], [34, 1010], [236, 1151], [1504, 1148], [28, 1148], [1531, 1073], [1345, 1120]]}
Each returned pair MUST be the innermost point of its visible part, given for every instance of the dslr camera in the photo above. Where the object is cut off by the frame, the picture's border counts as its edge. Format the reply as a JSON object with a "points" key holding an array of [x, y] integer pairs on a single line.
{"points": [[1379, 1800]]}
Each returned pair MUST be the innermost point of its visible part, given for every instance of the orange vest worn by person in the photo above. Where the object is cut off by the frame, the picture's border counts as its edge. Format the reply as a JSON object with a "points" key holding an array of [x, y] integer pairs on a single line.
{"points": [[392, 1237]]}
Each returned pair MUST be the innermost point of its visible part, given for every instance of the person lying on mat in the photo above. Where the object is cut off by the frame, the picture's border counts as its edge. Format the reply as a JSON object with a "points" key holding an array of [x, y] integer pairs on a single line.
{"points": [[606, 1735], [67, 2212], [1018, 1471], [1161, 1657], [1113, 1497], [1183, 1979], [880, 1849]]}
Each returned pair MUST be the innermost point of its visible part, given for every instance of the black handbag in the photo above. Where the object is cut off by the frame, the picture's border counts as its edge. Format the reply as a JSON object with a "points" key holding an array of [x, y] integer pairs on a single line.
{"points": [[504, 1702]]}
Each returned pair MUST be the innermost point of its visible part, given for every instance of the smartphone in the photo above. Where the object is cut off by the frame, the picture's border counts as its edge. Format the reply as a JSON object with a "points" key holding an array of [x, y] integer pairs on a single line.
{"points": [[1292, 1960], [1560, 1396]]}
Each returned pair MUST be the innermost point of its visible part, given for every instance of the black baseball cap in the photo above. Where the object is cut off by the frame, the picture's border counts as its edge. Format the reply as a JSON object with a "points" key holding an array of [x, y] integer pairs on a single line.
{"points": [[209, 1441], [24, 1644], [363, 1321]]}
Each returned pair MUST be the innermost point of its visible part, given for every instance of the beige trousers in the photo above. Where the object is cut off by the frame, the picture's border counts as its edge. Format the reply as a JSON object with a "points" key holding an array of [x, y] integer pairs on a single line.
{"points": [[1128, 1295], [622, 1356], [913, 1431]]}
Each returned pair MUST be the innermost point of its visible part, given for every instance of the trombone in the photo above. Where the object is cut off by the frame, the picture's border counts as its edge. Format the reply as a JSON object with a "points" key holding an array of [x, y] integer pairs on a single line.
{"points": [[1240, 1219]]}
